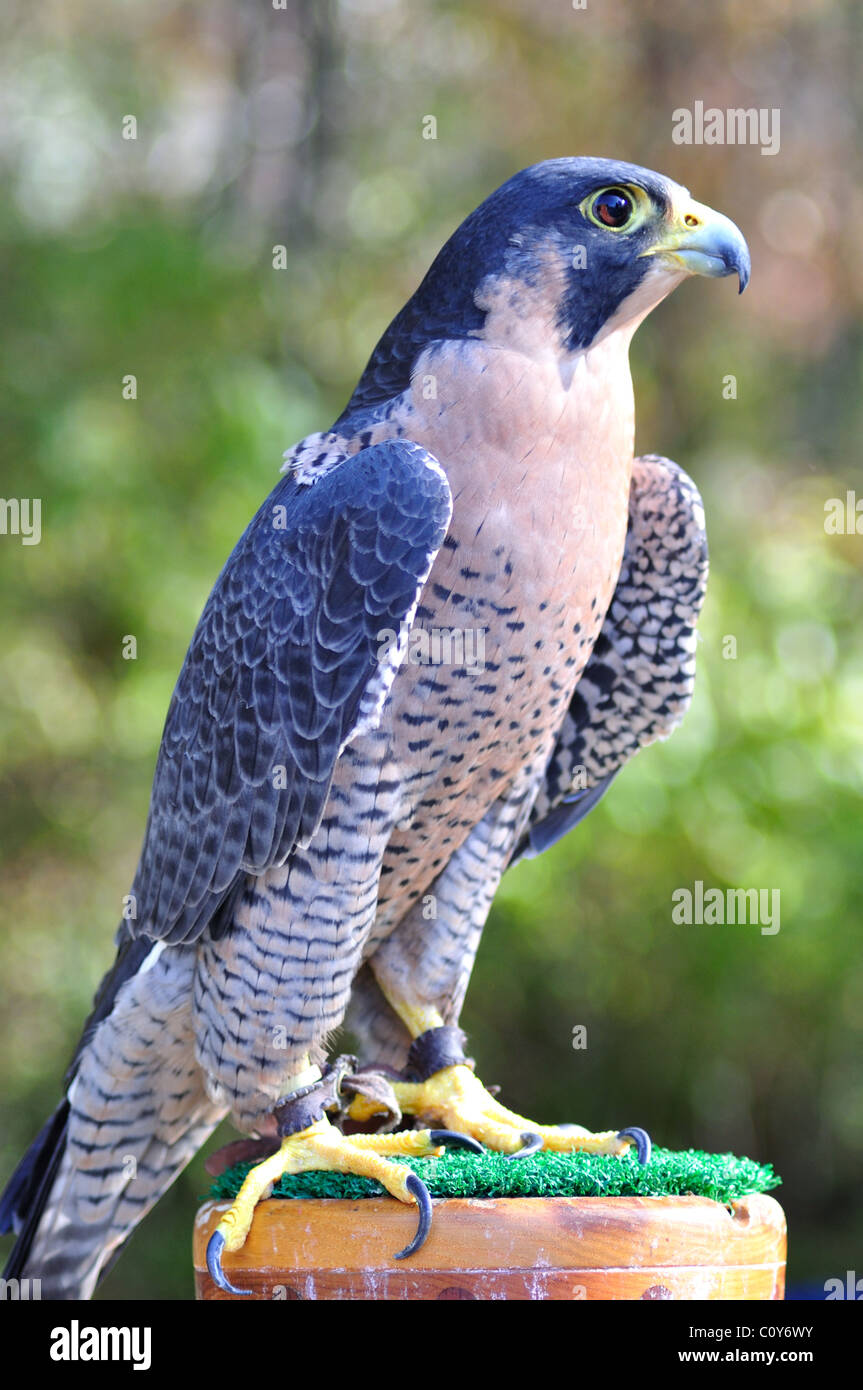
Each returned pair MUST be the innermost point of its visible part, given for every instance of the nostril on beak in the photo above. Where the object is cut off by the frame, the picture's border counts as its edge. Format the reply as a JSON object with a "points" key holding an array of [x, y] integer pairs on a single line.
{"points": [[691, 220]]}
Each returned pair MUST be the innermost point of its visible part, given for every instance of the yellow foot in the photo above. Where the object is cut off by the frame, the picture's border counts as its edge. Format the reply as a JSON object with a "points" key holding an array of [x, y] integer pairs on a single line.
{"points": [[321, 1147], [456, 1098]]}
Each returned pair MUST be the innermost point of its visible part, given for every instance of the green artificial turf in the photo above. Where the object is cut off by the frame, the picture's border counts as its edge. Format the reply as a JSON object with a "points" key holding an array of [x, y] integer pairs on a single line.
{"points": [[670, 1173]]}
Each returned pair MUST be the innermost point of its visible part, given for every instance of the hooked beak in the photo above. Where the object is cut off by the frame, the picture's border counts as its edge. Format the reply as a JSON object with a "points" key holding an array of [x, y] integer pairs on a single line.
{"points": [[703, 242]]}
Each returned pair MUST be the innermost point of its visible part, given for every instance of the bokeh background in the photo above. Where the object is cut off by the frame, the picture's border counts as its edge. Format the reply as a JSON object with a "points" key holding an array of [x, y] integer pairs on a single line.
{"points": [[303, 126]]}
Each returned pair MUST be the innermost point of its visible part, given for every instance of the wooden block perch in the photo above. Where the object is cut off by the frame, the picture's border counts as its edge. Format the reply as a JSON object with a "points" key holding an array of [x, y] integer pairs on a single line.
{"points": [[527, 1248]]}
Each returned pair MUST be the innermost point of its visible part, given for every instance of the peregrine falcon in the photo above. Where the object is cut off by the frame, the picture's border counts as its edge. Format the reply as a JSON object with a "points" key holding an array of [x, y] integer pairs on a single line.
{"points": [[460, 611]]}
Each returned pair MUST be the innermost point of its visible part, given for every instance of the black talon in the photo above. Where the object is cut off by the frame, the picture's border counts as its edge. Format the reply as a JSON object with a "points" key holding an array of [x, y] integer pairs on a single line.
{"points": [[642, 1142], [215, 1246], [455, 1140], [530, 1144], [418, 1189]]}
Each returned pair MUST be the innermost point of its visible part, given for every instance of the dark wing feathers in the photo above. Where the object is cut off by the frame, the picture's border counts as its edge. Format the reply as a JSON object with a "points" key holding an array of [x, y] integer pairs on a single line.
{"points": [[544, 832], [273, 683]]}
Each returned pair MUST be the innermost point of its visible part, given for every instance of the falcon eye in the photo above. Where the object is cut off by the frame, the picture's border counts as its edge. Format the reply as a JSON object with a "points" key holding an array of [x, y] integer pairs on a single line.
{"points": [[612, 208]]}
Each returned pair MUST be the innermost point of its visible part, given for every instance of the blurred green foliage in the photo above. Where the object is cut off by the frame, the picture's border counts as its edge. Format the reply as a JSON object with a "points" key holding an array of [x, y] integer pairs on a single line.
{"points": [[155, 258]]}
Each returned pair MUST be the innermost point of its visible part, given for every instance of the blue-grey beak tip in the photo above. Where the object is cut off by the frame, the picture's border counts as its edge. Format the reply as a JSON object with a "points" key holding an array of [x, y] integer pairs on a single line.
{"points": [[735, 256]]}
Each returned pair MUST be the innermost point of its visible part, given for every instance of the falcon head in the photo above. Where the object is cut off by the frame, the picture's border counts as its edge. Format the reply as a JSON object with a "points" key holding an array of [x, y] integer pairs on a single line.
{"points": [[560, 255], [593, 240]]}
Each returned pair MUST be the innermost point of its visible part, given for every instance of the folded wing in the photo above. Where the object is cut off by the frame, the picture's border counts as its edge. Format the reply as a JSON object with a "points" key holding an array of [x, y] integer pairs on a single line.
{"points": [[287, 665]]}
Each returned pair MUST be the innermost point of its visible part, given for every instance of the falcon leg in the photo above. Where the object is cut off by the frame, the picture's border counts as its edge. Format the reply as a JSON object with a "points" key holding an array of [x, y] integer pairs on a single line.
{"points": [[420, 975], [446, 1091], [454, 1095], [315, 1145]]}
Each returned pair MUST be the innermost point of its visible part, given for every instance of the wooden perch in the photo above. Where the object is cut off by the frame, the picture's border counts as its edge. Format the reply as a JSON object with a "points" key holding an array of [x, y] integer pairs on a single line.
{"points": [[557, 1248]]}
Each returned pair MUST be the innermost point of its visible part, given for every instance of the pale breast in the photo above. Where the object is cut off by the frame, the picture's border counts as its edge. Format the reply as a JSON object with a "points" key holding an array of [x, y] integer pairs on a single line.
{"points": [[539, 463]]}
